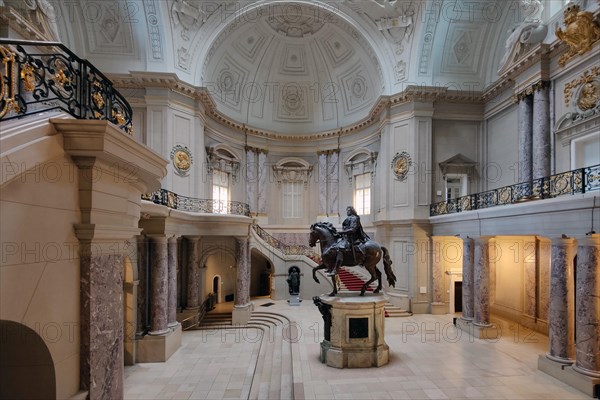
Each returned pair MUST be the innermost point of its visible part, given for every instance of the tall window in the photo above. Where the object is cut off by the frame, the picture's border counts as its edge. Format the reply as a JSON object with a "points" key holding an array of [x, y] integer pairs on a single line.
{"points": [[220, 186], [362, 193], [292, 199]]}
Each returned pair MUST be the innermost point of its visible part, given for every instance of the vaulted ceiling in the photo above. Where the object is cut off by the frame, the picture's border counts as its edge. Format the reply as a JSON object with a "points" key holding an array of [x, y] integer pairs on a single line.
{"points": [[293, 66]]}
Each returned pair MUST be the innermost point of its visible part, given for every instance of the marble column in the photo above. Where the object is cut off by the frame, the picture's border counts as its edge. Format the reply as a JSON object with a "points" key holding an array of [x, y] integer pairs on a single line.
{"points": [[541, 133], [193, 274], [561, 308], [333, 183], [481, 283], [467, 279], [525, 139], [251, 178], [322, 183], [262, 182], [159, 288], [172, 279], [142, 303], [587, 307], [242, 286]]}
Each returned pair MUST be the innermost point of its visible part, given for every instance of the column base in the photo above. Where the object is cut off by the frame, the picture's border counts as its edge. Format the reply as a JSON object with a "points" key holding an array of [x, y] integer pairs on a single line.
{"points": [[485, 332], [172, 324], [158, 348], [566, 374], [439, 308], [241, 314], [159, 332]]}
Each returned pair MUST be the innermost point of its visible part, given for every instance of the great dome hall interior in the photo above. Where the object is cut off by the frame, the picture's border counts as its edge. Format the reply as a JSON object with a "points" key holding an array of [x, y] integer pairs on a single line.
{"points": [[165, 163]]}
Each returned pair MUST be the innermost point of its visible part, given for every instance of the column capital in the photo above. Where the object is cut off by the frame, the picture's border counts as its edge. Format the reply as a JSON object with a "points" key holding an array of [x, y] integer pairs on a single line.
{"points": [[563, 240]]}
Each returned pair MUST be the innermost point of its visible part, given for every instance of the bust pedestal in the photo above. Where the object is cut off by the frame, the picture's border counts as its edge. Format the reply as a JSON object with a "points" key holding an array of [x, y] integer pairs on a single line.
{"points": [[354, 330]]}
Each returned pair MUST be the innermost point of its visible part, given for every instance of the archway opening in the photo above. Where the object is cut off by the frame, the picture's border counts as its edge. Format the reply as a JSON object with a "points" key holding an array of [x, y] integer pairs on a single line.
{"points": [[261, 274], [26, 366]]}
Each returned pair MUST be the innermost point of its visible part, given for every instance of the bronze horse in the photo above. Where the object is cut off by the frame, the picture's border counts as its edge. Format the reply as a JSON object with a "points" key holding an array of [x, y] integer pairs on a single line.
{"points": [[332, 257]]}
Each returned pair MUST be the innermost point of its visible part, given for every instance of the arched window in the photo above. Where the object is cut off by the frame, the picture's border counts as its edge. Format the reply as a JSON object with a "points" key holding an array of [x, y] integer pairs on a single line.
{"points": [[292, 175], [224, 166], [360, 167]]}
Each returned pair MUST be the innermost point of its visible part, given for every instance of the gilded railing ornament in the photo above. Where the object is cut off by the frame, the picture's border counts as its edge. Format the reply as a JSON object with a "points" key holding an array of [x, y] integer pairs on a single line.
{"points": [[580, 34], [28, 77], [61, 78], [8, 83]]}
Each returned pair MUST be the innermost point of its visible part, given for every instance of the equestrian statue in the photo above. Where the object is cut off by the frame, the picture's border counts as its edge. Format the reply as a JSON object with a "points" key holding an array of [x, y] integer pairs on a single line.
{"points": [[350, 247]]}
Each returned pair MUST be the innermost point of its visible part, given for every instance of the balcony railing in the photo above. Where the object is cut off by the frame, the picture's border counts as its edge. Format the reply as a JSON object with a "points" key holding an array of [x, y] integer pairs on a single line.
{"points": [[183, 203], [287, 249], [44, 76], [580, 180]]}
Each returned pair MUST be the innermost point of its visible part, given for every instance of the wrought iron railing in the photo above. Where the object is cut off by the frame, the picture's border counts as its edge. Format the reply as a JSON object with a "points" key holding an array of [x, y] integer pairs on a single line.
{"points": [[183, 203], [580, 180], [287, 249], [44, 76]]}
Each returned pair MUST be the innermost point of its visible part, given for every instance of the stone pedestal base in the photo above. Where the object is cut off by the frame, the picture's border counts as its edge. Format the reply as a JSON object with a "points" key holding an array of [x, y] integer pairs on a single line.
{"points": [[158, 348], [294, 300], [565, 373], [487, 332], [241, 315], [439, 308], [356, 334]]}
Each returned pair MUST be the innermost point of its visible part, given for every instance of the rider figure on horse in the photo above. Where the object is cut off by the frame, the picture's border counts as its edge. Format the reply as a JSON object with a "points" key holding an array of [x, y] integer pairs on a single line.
{"points": [[353, 236]]}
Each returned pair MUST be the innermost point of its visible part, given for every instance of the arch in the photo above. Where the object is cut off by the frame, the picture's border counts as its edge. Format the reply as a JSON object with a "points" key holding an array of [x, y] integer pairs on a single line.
{"points": [[293, 162], [216, 288], [26, 366], [261, 273]]}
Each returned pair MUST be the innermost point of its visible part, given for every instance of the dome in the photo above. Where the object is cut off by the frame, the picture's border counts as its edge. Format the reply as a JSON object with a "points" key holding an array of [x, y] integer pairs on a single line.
{"points": [[295, 69]]}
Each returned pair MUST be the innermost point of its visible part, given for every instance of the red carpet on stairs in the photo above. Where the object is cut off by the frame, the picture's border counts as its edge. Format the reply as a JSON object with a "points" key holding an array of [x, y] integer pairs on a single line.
{"points": [[351, 281]]}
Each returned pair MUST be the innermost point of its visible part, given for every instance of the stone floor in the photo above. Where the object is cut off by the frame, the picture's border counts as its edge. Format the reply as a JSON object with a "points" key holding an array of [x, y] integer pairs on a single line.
{"points": [[429, 359]]}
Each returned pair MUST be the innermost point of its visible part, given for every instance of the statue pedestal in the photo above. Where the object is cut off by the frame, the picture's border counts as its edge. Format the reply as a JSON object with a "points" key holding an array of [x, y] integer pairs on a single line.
{"points": [[354, 338]]}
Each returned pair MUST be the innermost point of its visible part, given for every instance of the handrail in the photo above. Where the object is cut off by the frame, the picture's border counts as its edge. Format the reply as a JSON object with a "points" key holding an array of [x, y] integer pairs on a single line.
{"points": [[287, 249], [581, 180], [183, 203], [44, 76]]}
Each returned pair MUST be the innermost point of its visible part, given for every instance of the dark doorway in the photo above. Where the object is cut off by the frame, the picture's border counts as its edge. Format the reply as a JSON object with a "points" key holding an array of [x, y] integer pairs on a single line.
{"points": [[457, 296], [26, 367]]}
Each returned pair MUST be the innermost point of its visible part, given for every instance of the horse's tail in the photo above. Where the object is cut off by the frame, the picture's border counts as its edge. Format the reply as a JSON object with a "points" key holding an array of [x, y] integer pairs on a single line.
{"points": [[387, 267]]}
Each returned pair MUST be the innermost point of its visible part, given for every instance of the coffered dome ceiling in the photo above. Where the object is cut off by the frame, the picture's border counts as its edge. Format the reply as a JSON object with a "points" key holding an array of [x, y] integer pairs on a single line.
{"points": [[293, 71]]}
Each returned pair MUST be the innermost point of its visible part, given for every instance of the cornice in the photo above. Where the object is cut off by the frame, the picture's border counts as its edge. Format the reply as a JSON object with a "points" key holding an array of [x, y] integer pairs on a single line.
{"points": [[144, 80]]}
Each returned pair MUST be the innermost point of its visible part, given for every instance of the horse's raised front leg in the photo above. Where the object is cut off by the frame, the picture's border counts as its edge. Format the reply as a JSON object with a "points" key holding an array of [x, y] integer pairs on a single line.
{"points": [[314, 271]]}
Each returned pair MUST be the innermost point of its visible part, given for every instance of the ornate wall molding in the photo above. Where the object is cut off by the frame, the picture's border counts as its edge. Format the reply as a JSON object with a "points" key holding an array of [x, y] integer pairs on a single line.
{"points": [[292, 169], [580, 34], [587, 77], [519, 96]]}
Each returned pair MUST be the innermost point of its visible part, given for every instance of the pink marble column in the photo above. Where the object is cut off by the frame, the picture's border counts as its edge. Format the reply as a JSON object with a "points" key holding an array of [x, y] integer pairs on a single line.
{"points": [[437, 271], [333, 182], [172, 283], [322, 182], [193, 274], [159, 288], [262, 182], [481, 283], [561, 308], [525, 114], [468, 280], [587, 307], [142, 303], [242, 287]]}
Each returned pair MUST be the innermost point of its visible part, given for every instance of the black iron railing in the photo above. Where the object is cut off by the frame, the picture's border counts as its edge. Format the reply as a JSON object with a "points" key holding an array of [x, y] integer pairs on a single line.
{"points": [[183, 203], [287, 249], [44, 76], [580, 180]]}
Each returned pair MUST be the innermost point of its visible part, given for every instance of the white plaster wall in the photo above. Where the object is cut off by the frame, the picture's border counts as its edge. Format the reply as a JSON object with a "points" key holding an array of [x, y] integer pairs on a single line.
{"points": [[501, 158], [39, 274]]}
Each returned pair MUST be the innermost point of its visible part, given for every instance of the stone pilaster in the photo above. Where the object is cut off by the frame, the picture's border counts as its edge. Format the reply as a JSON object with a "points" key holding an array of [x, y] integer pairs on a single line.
{"points": [[437, 274], [468, 296], [525, 138], [481, 283], [262, 182], [587, 307], [251, 178], [561, 308], [541, 132], [159, 288], [193, 274], [172, 282], [333, 183], [322, 183]]}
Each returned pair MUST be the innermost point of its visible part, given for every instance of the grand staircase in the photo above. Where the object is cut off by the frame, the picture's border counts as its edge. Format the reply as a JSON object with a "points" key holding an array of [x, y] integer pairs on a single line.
{"points": [[352, 280]]}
